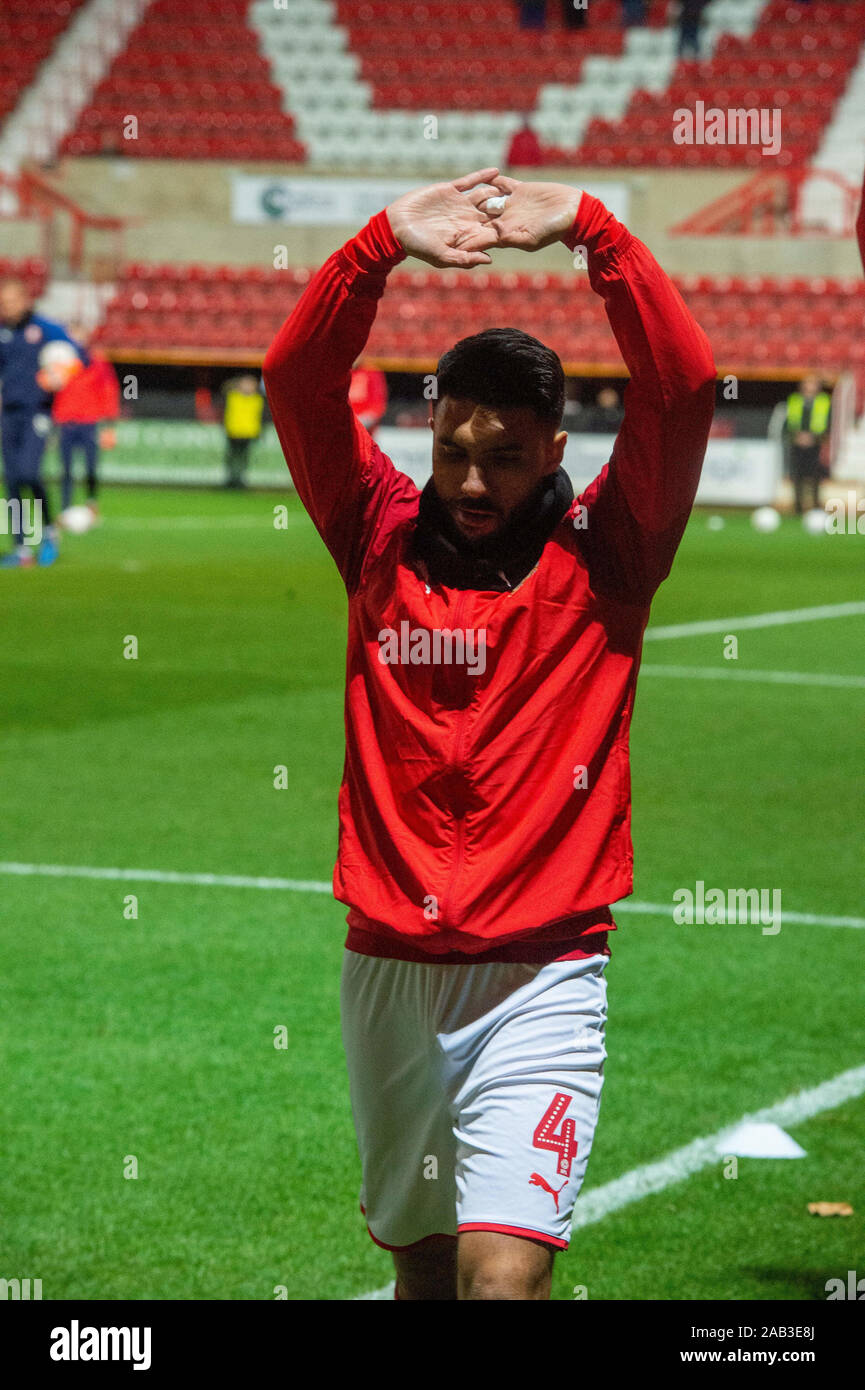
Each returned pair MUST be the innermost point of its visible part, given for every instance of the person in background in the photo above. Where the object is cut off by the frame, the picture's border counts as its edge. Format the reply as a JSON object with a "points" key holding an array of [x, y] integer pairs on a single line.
{"points": [[90, 401], [244, 407], [367, 395], [633, 13], [808, 411], [606, 415], [533, 14], [574, 13], [25, 420], [525, 147], [690, 14]]}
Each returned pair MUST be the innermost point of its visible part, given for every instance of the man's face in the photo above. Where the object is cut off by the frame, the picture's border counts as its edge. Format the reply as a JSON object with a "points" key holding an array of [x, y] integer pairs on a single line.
{"points": [[14, 301], [487, 460], [810, 386]]}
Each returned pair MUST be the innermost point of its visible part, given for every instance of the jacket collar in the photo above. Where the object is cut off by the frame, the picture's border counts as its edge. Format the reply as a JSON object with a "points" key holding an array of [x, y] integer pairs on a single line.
{"points": [[501, 562]]}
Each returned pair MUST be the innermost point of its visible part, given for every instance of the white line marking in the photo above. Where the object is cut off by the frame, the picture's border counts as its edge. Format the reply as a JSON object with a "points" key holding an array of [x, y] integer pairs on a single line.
{"points": [[640, 1182], [290, 885], [651, 1178], [308, 885], [703, 1153], [789, 615], [197, 523], [805, 919], [720, 673]]}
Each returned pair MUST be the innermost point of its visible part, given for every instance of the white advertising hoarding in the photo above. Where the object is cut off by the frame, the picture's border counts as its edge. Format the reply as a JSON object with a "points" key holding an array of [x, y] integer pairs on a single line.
{"points": [[312, 202], [736, 472]]}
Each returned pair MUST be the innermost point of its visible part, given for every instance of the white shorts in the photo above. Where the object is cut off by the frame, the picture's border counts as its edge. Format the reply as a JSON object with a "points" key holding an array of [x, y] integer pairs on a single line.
{"points": [[475, 1091]]}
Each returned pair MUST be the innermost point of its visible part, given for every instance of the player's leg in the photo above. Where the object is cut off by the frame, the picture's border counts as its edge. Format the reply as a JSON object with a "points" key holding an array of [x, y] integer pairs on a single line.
{"points": [[13, 425], [67, 446], [401, 1116], [496, 1266], [526, 1049], [90, 447], [33, 449], [427, 1271]]}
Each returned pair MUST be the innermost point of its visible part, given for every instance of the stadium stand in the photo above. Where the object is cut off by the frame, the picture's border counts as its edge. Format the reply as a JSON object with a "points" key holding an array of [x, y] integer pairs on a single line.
{"points": [[31, 269], [27, 35], [797, 61], [757, 322], [350, 85], [198, 86]]}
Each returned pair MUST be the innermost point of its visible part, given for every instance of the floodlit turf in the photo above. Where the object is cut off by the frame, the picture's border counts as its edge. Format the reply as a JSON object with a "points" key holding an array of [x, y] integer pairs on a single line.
{"points": [[153, 1037]]}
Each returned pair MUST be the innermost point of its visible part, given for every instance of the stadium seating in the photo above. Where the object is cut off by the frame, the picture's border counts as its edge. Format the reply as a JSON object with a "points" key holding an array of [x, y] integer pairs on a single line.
{"points": [[28, 32], [348, 82], [759, 323], [198, 87], [31, 269], [798, 60]]}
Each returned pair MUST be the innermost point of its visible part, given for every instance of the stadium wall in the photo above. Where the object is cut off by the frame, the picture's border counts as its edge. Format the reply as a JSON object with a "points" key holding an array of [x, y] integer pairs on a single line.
{"points": [[189, 218]]}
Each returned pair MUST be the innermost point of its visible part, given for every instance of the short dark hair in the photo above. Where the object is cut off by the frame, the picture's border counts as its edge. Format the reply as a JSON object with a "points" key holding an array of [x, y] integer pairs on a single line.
{"points": [[504, 367]]}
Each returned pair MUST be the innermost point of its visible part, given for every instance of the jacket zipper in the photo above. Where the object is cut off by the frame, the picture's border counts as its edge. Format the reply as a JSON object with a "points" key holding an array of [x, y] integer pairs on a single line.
{"points": [[459, 842]]}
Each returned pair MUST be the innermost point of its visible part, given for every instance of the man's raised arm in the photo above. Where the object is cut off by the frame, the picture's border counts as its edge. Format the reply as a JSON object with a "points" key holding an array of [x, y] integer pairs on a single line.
{"points": [[638, 506], [342, 477]]}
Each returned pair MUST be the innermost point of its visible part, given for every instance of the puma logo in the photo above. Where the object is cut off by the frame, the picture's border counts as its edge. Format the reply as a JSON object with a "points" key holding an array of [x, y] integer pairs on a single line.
{"points": [[537, 1181]]}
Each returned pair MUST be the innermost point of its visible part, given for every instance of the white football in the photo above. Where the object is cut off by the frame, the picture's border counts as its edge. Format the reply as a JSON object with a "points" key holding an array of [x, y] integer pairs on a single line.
{"points": [[77, 520], [765, 519], [815, 521]]}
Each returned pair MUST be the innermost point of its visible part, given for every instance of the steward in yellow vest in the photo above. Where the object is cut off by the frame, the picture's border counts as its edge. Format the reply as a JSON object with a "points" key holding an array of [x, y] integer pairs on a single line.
{"points": [[806, 426], [244, 407]]}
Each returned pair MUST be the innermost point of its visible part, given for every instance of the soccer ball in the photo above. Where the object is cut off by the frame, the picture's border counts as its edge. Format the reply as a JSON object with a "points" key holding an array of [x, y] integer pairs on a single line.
{"points": [[59, 364], [716, 523], [765, 519], [815, 521], [76, 520]]}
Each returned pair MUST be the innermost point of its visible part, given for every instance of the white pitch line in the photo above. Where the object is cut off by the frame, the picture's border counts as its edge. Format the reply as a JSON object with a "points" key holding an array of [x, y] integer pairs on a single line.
{"points": [[675, 1167], [612, 1196], [804, 919], [779, 619], [289, 885], [197, 523], [307, 885], [703, 1153], [720, 673]]}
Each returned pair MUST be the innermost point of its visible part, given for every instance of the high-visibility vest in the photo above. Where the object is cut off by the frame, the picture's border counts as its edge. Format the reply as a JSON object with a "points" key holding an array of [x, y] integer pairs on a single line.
{"points": [[243, 415], [820, 407]]}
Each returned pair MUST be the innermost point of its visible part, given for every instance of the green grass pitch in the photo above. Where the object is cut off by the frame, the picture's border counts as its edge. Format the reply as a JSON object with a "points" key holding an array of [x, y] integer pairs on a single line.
{"points": [[153, 1037]]}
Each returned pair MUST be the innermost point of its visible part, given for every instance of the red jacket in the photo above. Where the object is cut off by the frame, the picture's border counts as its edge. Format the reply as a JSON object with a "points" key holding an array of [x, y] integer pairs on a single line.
{"points": [[461, 827], [368, 395], [90, 397]]}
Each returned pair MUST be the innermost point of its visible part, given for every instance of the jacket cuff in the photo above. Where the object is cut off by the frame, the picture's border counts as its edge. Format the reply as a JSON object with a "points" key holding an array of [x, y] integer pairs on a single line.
{"points": [[375, 250], [596, 228]]}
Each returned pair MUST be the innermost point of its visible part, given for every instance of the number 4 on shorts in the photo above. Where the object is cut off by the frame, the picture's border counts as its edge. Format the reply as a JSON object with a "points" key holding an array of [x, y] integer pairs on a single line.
{"points": [[563, 1141]]}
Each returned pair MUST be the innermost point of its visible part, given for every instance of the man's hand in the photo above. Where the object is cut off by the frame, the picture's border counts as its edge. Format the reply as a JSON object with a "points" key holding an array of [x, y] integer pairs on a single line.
{"points": [[442, 224], [533, 214]]}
